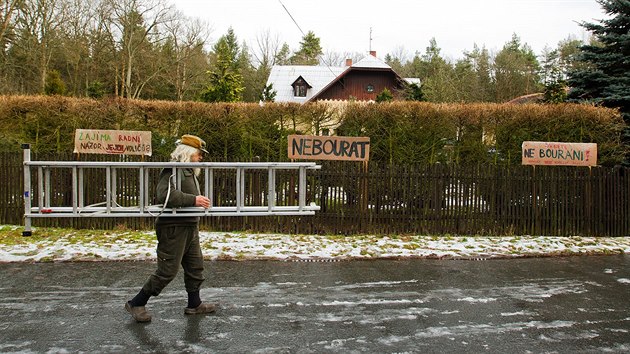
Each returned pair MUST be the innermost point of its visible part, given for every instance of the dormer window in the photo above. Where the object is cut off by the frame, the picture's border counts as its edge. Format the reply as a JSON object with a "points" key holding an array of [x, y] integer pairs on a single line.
{"points": [[300, 87], [299, 90]]}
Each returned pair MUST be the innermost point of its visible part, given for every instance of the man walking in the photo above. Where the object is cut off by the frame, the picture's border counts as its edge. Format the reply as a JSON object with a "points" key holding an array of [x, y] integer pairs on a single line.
{"points": [[178, 237]]}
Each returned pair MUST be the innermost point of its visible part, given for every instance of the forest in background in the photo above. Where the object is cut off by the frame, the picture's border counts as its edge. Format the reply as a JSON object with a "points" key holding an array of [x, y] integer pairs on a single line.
{"points": [[146, 49]]}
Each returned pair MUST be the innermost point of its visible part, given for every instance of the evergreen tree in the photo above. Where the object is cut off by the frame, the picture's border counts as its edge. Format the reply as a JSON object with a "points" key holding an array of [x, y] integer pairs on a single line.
{"points": [[437, 75], [282, 57], [555, 65], [226, 82], [385, 96], [552, 77], [413, 92], [473, 77], [252, 84], [54, 84], [268, 94], [309, 52], [604, 77], [516, 70]]}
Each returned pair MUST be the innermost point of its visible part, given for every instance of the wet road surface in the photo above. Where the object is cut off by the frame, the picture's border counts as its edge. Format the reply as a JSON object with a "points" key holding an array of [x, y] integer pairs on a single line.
{"points": [[565, 305]]}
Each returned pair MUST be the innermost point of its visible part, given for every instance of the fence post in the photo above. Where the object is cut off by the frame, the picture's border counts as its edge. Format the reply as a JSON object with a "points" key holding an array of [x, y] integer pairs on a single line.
{"points": [[535, 215], [27, 190]]}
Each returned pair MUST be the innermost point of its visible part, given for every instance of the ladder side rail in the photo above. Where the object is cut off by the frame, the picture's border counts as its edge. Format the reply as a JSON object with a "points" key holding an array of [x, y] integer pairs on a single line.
{"points": [[248, 211], [221, 165]]}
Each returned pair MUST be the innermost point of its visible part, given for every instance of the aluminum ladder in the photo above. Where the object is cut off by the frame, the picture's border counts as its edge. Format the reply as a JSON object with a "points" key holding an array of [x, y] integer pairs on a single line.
{"points": [[42, 208]]}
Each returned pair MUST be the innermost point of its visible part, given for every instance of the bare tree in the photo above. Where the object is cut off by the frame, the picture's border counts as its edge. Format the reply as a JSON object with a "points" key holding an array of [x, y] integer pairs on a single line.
{"points": [[136, 26], [77, 29], [333, 58], [39, 23], [8, 9], [188, 39], [266, 50]]}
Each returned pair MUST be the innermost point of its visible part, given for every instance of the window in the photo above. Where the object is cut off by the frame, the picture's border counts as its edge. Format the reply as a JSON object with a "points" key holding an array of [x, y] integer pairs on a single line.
{"points": [[299, 90], [369, 88], [300, 87]]}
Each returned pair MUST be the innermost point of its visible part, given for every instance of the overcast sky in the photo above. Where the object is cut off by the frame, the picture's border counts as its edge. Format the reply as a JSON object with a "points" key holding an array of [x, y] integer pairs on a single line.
{"points": [[343, 26]]}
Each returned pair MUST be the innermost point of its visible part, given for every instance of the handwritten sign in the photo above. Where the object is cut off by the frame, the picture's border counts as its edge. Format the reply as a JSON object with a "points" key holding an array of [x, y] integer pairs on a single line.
{"points": [[553, 153], [124, 142], [311, 147]]}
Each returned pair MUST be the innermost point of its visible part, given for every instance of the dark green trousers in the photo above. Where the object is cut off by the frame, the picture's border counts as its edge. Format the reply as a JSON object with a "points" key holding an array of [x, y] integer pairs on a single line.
{"points": [[177, 244]]}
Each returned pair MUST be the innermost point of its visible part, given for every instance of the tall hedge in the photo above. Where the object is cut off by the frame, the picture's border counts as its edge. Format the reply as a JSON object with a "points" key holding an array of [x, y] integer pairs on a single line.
{"points": [[400, 132]]}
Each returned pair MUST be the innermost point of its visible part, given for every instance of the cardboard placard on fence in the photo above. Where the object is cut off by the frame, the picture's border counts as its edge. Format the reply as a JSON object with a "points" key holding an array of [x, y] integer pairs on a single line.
{"points": [[123, 142], [312, 147], [556, 153]]}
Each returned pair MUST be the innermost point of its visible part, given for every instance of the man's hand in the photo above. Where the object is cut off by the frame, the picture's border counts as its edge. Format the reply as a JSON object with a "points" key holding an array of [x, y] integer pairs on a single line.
{"points": [[201, 201]]}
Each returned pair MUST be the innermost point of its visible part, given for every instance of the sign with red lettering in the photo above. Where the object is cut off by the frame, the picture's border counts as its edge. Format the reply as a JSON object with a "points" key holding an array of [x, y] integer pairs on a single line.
{"points": [[312, 147], [554, 153], [123, 142]]}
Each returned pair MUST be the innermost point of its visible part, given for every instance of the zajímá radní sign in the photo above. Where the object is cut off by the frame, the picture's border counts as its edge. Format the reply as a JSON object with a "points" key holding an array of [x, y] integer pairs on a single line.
{"points": [[124, 142]]}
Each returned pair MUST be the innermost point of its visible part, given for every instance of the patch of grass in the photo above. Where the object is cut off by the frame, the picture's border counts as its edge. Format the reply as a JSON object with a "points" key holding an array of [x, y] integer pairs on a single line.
{"points": [[13, 236]]}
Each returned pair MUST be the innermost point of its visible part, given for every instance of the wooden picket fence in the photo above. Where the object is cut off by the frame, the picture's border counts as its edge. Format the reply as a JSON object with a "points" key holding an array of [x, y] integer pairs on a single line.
{"points": [[357, 198]]}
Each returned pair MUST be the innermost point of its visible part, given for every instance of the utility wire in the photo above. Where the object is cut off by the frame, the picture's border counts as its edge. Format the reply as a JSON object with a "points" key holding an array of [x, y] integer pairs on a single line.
{"points": [[294, 21], [321, 59]]}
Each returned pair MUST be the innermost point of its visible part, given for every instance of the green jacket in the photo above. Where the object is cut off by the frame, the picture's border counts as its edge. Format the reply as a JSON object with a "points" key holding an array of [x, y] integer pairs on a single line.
{"points": [[183, 197]]}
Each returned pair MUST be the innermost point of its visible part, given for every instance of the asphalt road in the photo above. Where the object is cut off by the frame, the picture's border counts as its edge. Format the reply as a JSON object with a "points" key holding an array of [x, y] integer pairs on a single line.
{"points": [[564, 305]]}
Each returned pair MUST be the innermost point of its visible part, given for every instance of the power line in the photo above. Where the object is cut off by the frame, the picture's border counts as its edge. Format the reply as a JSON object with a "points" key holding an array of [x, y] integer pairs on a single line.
{"points": [[321, 59], [294, 21]]}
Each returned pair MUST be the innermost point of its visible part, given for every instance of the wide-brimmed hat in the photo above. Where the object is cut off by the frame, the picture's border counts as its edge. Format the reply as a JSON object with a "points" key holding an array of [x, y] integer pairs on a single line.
{"points": [[194, 141]]}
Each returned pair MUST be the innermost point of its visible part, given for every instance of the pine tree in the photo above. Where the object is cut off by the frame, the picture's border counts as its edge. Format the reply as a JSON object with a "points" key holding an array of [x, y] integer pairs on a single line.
{"points": [[54, 84], [385, 96], [226, 82], [604, 77], [268, 94], [516, 70], [309, 52]]}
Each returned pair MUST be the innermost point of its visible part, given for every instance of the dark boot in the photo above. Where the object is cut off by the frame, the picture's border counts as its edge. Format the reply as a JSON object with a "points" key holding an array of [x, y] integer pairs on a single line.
{"points": [[139, 313], [201, 309]]}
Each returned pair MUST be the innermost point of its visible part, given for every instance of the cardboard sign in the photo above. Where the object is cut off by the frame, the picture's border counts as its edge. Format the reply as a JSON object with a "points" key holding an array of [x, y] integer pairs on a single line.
{"points": [[124, 142], [312, 147], [554, 153]]}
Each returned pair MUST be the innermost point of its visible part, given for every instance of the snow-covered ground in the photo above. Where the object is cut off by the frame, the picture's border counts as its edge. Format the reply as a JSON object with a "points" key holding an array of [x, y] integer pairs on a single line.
{"points": [[117, 246]]}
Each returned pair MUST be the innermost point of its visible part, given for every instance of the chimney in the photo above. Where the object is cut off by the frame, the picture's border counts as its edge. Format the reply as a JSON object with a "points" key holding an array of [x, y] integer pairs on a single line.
{"points": [[349, 62], [373, 53]]}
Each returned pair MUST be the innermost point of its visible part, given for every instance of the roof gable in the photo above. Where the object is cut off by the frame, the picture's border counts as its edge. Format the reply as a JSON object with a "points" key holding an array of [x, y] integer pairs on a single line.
{"points": [[299, 81]]}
